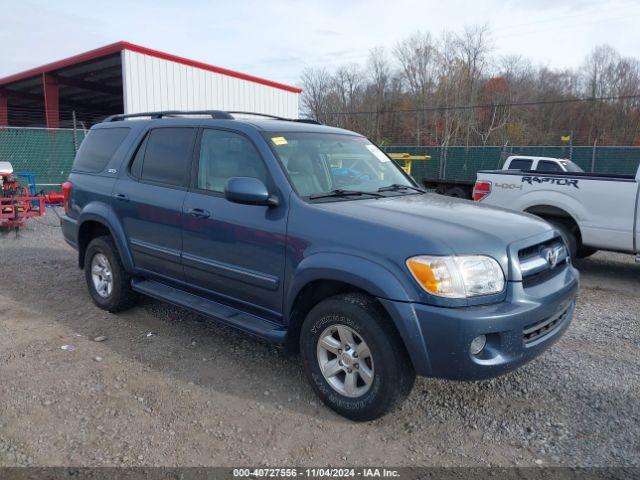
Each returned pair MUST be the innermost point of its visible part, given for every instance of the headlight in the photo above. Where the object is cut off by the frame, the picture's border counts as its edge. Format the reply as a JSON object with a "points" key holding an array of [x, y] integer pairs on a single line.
{"points": [[457, 277]]}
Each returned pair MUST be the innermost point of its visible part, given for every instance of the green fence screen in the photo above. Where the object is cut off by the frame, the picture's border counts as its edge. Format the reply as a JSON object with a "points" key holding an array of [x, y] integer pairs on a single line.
{"points": [[462, 163], [49, 154]]}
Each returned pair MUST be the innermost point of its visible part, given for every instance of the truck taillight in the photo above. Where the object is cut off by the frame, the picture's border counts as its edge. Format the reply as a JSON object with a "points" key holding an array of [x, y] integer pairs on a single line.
{"points": [[481, 190], [66, 193]]}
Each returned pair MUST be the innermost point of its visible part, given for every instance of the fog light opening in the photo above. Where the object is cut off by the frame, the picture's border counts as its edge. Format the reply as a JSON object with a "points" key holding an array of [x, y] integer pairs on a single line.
{"points": [[477, 344]]}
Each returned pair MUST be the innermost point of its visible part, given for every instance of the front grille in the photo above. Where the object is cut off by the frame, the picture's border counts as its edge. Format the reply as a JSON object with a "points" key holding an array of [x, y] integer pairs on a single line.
{"points": [[533, 332], [542, 276], [534, 264], [534, 250]]}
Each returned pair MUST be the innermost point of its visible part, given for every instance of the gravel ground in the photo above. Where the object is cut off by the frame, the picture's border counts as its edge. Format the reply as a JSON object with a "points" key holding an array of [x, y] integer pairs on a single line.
{"points": [[167, 387]]}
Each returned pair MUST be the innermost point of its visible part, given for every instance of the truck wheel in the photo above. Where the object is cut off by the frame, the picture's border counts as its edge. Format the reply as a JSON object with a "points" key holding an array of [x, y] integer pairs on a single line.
{"points": [[567, 234], [108, 282], [457, 192], [584, 252], [354, 358]]}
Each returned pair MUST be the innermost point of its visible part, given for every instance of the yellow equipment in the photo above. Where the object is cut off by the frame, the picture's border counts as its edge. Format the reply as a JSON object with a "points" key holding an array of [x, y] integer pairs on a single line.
{"points": [[408, 159]]}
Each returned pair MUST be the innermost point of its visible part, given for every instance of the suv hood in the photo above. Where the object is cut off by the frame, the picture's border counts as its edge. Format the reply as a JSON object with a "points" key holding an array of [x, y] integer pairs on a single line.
{"points": [[436, 221]]}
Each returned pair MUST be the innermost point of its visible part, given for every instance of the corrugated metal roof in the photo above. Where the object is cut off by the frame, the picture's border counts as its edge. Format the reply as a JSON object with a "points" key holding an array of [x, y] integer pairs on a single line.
{"points": [[119, 46]]}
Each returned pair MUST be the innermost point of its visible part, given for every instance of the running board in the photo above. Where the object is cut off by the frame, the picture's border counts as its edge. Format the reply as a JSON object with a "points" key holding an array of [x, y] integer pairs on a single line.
{"points": [[230, 316]]}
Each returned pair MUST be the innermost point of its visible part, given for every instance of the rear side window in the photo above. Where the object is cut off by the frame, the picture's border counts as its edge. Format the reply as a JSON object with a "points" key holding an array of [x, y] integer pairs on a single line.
{"points": [[520, 164], [97, 149], [165, 156], [547, 166]]}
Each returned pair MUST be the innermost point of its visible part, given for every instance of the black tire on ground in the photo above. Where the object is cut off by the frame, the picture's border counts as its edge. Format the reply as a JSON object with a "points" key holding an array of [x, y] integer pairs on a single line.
{"points": [[584, 252], [458, 192], [567, 234], [393, 373], [122, 296]]}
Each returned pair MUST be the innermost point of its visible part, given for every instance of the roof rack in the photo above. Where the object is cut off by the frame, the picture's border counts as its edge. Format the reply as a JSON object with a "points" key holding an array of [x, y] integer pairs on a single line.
{"points": [[275, 117], [215, 114]]}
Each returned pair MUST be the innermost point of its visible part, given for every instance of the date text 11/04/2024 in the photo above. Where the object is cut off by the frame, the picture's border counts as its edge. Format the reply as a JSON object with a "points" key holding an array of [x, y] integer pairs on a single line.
{"points": [[315, 472]]}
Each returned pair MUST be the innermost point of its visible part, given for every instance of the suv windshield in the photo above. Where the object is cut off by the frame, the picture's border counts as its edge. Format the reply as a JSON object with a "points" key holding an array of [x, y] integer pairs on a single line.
{"points": [[348, 166]]}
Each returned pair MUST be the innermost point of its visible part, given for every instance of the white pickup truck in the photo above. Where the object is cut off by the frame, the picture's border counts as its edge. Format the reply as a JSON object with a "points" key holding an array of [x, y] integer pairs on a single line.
{"points": [[591, 211], [540, 164]]}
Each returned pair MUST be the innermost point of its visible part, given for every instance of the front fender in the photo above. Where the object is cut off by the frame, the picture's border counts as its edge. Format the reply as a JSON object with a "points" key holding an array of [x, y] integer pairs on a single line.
{"points": [[357, 271], [102, 213], [374, 279]]}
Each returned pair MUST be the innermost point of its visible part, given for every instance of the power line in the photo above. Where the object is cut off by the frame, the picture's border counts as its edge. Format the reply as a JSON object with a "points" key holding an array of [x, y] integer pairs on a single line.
{"points": [[491, 105]]}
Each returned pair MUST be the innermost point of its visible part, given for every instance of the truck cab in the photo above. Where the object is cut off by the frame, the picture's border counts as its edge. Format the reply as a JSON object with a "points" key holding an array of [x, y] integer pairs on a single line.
{"points": [[540, 164]]}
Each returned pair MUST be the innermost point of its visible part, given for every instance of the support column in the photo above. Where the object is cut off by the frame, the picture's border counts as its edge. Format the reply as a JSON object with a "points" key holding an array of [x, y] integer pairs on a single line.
{"points": [[51, 100], [4, 111]]}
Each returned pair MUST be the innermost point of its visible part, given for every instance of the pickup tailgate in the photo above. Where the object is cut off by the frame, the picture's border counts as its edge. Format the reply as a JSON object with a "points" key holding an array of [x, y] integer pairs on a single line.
{"points": [[603, 206]]}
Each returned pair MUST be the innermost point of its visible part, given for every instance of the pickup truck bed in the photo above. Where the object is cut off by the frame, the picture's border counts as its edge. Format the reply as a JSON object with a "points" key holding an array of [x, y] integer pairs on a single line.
{"points": [[600, 211]]}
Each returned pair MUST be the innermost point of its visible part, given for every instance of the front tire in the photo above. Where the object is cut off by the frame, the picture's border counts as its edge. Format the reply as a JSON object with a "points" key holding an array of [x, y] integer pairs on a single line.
{"points": [[354, 358], [108, 282]]}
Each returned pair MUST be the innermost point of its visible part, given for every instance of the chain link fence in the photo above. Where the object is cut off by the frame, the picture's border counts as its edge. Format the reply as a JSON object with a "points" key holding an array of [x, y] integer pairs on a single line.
{"points": [[462, 163], [49, 154], [46, 153]]}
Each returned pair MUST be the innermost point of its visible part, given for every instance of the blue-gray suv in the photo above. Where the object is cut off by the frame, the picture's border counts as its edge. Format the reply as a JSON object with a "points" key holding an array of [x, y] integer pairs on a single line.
{"points": [[311, 237]]}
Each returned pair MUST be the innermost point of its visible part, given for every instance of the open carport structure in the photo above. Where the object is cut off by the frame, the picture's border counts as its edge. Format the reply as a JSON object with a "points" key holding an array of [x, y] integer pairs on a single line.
{"points": [[127, 78]]}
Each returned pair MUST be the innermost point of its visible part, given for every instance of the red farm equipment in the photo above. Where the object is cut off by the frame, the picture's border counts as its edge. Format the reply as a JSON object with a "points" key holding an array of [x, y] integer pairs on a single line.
{"points": [[17, 203]]}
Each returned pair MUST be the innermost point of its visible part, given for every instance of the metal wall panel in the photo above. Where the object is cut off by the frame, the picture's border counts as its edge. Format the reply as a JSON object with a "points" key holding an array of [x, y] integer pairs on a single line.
{"points": [[152, 84]]}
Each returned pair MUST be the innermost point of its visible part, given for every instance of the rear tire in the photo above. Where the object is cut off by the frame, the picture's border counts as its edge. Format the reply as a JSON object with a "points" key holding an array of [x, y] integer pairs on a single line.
{"points": [[457, 192], [584, 252], [567, 234], [108, 282], [388, 369]]}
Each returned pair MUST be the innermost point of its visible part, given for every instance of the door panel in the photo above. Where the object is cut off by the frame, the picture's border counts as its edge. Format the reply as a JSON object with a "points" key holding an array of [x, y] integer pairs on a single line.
{"points": [[235, 252], [152, 219], [148, 199], [238, 252]]}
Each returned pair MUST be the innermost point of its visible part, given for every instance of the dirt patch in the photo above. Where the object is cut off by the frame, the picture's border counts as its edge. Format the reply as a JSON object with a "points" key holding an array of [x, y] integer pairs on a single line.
{"points": [[168, 387]]}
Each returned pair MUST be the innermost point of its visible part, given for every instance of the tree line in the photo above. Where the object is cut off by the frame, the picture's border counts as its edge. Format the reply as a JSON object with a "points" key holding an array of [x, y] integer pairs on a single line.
{"points": [[454, 90]]}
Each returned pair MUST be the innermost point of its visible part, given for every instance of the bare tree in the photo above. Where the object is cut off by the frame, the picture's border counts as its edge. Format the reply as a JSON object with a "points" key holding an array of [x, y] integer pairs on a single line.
{"points": [[453, 91], [416, 56], [316, 92]]}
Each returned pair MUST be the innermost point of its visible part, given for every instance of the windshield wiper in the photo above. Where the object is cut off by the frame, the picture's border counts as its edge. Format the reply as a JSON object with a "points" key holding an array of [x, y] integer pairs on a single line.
{"points": [[342, 193], [394, 187]]}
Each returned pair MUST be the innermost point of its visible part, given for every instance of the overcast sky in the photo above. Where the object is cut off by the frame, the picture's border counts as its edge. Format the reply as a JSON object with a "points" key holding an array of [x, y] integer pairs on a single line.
{"points": [[276, 39]]}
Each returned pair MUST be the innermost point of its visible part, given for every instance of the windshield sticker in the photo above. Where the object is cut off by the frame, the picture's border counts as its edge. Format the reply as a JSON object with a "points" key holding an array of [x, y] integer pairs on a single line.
{"points": [[279, 140], [378, 153]]}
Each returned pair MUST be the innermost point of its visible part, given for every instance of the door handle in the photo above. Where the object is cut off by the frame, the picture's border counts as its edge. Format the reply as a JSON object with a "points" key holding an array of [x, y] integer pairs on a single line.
{"points": [[199, 213], [122, 197]]}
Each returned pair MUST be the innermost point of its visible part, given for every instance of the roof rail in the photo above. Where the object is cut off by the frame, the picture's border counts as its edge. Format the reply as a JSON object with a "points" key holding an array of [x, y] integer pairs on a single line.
{"points": [[216, 114], [275, 117], [255, 114]]}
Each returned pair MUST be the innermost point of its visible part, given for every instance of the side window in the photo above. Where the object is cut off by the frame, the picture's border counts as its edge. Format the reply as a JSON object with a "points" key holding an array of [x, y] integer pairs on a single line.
{"points": [[165, 156], [520, 164], [136, 164], [97, 149], [224, 155], [547, 166]]}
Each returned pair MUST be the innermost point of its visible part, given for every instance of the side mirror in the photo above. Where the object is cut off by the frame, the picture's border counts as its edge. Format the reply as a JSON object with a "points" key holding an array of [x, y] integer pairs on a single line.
{"points": [[249, 191]]}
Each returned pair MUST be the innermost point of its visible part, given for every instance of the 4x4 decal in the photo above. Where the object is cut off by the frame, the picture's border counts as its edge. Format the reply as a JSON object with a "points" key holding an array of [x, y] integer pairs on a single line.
{"points": [[554, 180]]}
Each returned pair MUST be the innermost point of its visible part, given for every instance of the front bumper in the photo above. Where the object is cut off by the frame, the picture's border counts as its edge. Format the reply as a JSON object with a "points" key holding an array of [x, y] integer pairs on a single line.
{"points": [[439, 341]]}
